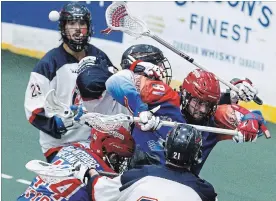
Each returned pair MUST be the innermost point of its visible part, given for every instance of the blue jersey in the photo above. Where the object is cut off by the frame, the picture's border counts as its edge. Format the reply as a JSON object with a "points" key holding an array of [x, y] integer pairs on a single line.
{"points": [[69, 189], [209, 140], [138, 93]]}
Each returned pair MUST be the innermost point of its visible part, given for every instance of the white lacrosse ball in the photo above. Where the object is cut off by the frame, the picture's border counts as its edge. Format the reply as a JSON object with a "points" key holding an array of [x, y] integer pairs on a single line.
{"points": [[54, 16]]}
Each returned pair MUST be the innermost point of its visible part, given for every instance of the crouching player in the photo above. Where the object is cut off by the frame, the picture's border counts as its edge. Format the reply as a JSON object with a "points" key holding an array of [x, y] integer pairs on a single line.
{"points": [[104, 152]]}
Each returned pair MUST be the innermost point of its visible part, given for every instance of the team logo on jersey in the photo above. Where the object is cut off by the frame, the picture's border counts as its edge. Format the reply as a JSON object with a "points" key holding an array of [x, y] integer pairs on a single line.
{"points": [[35, 89], [73, 154], [165, 118]]}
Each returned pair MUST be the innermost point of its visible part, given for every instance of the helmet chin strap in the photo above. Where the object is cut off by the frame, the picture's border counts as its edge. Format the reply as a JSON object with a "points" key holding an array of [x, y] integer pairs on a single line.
{"points": [[75, 45]]}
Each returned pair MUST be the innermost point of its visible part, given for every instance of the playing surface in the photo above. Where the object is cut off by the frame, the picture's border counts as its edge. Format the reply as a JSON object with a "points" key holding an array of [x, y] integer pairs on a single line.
{"points": [[239, 172]]}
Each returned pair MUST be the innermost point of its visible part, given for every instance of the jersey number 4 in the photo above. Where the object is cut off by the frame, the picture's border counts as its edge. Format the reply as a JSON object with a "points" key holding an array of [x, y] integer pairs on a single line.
{"points": [[65, 188]]}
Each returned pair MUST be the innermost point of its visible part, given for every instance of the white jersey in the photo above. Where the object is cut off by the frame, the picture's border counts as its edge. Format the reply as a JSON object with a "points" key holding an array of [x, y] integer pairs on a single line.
{"points": [[56, 70], [156, 183]]}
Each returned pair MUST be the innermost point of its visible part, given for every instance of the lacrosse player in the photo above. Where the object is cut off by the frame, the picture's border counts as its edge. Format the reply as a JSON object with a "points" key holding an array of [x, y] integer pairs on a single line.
{"points": [[58, 70], [137, 89], [91, 85], [173, 181], [104, 152], [200, 96]]}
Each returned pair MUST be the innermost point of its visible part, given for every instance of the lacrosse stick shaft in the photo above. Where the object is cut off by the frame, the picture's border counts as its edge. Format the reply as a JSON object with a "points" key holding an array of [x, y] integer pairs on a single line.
{"points": [[200, 128], [47, 169], [114, 18], [191, 60], [107, 174], [105, 119], [131, 58]]}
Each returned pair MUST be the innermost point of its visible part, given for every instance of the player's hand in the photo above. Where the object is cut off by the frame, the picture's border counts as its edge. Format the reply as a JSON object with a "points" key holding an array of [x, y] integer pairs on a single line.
{"points": [[251, 125], [153, 71], [248, 131], [149, 69], [85, 62], [81, 172], [246, 91], [72, 121], [148, 121]]}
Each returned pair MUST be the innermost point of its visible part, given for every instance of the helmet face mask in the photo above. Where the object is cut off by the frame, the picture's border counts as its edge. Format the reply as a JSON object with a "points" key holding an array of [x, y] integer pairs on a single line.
{"points": [[116, 162], [200, 95], [165, 67], [147, 53], [75, 26], [115, 151], [197, 108]]}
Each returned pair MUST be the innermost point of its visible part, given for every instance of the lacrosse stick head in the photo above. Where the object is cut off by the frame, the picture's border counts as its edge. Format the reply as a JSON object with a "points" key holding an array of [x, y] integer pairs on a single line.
{"points": [[53, 106], [106, 123], [118, 18], [50, 173]]}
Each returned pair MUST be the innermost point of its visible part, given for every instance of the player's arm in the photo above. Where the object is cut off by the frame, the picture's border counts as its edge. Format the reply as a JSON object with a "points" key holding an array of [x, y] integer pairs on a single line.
{"points": [[101, 188], [225, 98], [249, 124], [40, 82], [122, 88], [38, 86], [246, 92]]}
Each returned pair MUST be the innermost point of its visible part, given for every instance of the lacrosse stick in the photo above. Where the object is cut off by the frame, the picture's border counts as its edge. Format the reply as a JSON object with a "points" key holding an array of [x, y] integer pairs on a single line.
{"points": [[53, 106], [113, 121], [58, 172], [118, 18], [109, 123], [131, 59]]}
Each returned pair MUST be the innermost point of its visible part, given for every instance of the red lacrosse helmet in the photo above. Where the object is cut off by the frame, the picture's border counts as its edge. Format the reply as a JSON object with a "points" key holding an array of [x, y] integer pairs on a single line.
{"points": [[114, 147], [202, 86]]}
